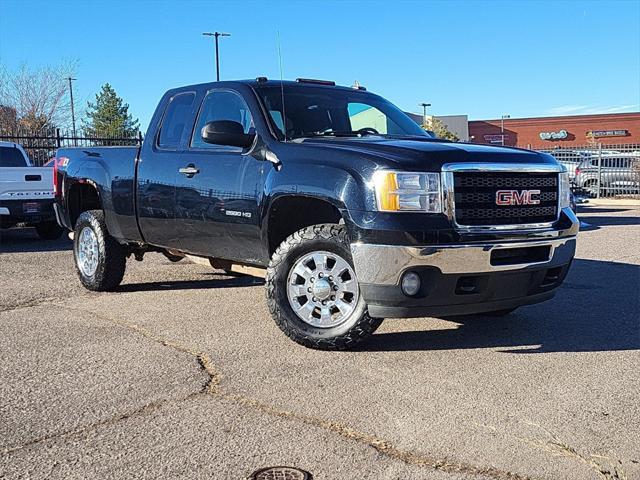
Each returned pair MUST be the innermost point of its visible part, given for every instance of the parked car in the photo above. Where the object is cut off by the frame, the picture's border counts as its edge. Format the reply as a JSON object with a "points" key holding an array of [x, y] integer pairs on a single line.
{"points": [[570, 159], [26, 193], [619, 175], [353, 222]]}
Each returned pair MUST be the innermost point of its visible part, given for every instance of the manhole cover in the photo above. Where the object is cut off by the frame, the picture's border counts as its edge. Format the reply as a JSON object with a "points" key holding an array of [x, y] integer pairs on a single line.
{"points": [[280, 473]]}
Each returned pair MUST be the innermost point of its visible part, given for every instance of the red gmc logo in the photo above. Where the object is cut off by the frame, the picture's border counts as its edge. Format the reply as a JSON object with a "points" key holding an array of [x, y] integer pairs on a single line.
{"points": [[517, 197]]}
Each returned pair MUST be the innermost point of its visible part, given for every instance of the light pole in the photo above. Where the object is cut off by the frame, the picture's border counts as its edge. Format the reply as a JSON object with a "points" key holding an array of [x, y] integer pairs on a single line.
{"points": [[216, 35], [73, 113], [502, 127], [424, 113]]}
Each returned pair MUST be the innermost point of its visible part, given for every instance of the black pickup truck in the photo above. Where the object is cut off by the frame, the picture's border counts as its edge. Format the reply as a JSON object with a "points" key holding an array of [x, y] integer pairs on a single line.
{"points": [[356, 212]]}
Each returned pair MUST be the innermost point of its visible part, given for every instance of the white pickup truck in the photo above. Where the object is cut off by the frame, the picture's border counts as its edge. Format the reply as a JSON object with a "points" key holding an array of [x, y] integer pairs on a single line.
{"points": [[26, 193]]}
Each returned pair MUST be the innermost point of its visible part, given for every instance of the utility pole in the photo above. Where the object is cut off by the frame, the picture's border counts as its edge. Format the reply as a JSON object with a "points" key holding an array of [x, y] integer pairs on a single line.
{"points": [[424, 113], [502, 127], [216, 35], [73, 113]]}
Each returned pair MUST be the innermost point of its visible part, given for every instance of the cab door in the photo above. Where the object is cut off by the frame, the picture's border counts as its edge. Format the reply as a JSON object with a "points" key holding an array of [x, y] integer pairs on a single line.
{"points": [[217, 199], [159, 169]]}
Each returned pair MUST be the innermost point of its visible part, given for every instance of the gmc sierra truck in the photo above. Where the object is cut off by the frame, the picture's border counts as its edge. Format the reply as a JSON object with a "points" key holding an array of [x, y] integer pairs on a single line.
{"points": [[356, 213]]}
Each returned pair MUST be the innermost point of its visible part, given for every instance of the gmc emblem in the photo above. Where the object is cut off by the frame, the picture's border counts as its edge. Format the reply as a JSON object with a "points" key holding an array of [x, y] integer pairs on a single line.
{"points": [[517, 197]]}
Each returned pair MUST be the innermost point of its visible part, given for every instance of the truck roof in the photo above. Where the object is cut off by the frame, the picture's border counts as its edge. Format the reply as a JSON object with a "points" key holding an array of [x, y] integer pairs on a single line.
{"points": [[264, 81]]}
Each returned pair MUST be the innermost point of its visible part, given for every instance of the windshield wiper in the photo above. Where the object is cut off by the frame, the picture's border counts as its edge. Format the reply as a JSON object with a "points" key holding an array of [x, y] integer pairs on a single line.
{"points": [[331, 134]]}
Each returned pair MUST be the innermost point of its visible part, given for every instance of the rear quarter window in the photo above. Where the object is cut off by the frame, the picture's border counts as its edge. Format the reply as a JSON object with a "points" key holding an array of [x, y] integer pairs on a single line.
{"points": [[11, 157], [175, 119]]}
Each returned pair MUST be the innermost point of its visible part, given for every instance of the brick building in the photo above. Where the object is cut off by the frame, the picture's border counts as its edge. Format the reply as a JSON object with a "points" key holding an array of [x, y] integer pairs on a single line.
{"points": [[550, 132]]}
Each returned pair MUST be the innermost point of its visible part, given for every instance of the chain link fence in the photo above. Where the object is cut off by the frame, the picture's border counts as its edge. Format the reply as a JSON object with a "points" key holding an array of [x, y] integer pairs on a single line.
{"points": [[602, 170], [41, 146]]}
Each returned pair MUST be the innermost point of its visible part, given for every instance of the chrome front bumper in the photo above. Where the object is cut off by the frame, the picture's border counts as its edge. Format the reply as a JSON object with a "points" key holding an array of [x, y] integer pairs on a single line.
{"points": [[385, 264]]}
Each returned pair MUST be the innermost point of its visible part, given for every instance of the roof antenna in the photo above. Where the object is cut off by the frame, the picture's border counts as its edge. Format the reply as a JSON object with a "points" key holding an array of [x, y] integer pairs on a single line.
{"points": [[284, 115]]}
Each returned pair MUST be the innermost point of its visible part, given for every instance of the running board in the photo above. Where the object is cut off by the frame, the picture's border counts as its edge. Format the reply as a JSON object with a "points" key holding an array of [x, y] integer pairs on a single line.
{"points": [[229, 266]]}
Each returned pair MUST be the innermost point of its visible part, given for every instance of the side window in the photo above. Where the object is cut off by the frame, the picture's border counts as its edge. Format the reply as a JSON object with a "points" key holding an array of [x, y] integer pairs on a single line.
{"points": [[175, 119], [221, 105]]}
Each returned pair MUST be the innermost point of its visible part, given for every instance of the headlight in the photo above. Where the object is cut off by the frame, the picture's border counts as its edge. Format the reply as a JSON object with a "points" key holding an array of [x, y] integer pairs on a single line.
{"points": [[408, 192], [565, 190]]}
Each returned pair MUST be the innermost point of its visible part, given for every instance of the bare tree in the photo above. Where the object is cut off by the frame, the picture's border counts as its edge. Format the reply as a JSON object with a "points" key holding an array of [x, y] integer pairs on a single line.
{"points": [[39, 96]]}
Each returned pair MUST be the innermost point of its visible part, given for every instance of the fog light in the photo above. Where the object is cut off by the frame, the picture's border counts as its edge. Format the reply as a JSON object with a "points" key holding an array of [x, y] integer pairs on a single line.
{"points": [[410, 283]]}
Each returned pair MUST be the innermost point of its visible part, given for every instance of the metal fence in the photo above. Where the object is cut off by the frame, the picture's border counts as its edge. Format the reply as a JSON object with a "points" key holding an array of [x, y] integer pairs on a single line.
{"points": [[602, 170], [595, 170], [41, 146]]}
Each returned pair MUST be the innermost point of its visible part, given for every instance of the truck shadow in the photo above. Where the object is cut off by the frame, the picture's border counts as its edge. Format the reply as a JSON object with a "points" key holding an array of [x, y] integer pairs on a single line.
{"points": [[597, 309], [22, 240], [598, 221], [218, 281], [587, 209]]}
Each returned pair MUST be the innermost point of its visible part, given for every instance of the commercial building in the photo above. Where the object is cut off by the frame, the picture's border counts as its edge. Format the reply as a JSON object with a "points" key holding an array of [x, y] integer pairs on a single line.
{"points": [[552, 132], [456, 124]]}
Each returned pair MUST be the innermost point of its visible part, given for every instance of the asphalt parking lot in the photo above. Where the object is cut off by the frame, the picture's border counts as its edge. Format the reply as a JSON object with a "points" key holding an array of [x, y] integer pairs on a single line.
{"points": [[182, 374]]}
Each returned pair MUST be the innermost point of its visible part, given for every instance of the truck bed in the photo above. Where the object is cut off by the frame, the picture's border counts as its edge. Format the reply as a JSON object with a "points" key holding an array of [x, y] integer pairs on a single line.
{"points": [[113, 169]]}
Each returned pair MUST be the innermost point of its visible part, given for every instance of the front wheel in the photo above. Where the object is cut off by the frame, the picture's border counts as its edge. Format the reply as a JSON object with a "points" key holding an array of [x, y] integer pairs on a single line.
{"points": [[100, 260], [313, 293]]}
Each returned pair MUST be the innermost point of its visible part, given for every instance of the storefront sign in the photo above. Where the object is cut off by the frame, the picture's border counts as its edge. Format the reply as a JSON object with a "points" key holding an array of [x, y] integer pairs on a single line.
{"points": [[495, 138], [559, 135], [607, 133]]}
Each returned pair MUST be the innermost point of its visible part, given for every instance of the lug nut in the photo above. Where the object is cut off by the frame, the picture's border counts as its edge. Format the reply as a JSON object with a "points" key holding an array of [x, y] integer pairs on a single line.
{"points": [[324, 302], [335, 287], [314, 299], [312, 280], [309, 289], [333, 297], [321, 274], [331, 278]]}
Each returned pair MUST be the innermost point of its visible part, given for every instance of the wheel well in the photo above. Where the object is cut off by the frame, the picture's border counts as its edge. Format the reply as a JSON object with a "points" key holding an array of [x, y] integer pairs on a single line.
{"points": [[290, 214], [82, 197]]}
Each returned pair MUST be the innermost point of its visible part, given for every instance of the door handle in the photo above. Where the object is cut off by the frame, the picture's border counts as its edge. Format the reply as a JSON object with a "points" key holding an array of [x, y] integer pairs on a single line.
{"points": [[189, 170]]}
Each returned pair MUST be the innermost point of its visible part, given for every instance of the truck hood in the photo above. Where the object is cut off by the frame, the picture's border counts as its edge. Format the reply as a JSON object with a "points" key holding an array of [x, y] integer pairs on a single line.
{"points": [[425, 154]]}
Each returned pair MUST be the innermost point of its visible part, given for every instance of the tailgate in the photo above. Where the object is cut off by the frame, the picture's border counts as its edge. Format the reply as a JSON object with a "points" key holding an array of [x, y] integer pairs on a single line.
{"points": [[26, 183]]}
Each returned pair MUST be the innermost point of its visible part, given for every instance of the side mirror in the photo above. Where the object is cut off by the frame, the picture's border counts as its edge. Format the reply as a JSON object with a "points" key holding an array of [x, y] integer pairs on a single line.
{"points": [[226, 132]]}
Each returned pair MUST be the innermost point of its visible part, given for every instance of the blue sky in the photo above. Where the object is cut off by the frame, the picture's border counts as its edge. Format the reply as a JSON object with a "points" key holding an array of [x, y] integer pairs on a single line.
{"points": [[484, 59]]}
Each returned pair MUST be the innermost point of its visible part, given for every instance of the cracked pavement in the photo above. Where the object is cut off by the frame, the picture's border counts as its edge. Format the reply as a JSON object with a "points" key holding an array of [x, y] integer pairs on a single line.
{"points": [[182, 374]]}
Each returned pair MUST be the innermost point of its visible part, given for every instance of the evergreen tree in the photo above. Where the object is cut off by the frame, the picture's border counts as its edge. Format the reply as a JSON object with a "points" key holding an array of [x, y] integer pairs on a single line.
{"points": [[440, 129], [109, 116]]}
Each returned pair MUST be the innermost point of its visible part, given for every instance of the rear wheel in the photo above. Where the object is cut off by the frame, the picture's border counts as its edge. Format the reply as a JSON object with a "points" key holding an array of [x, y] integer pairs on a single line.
{"points": [[100, 260], [313, 293], [49, 230]]}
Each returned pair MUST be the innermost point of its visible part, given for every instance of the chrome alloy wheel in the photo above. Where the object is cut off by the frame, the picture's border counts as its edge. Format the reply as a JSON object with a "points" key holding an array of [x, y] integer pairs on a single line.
{"points": [[322, 289], [87, 252]]}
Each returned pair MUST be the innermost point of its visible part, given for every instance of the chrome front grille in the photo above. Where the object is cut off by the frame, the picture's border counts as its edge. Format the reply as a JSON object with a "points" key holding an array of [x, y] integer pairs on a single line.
{"points": [[475, 198]]}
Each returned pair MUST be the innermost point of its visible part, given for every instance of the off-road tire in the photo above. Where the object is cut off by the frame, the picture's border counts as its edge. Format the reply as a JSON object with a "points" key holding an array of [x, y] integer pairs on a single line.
{"points": [[49, 230], [327, 237], [112, 258]]}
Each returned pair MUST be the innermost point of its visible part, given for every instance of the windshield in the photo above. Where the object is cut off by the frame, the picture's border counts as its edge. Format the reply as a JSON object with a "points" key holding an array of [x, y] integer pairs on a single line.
{"points": [[332, 112]]}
